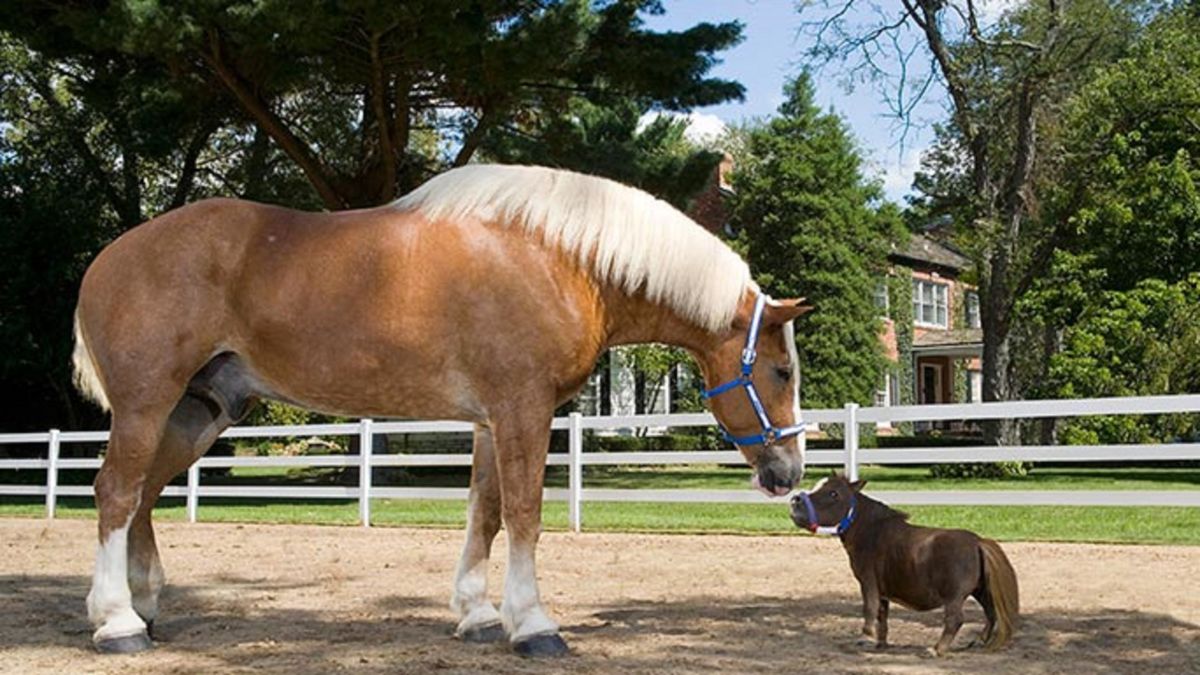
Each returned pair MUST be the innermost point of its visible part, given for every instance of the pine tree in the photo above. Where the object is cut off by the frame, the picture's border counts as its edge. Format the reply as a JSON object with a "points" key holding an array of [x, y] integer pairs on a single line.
{"points": [[813, 227]]}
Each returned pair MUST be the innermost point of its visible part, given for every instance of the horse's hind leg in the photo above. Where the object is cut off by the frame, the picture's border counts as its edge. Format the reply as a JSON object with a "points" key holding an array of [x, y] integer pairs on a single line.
{"points": [[119, 487], [478, 619], [192, 428], [984, 599], [951, 623]]}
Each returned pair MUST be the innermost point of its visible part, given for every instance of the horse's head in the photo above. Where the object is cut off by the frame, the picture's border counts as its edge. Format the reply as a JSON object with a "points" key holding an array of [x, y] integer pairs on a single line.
{"points": [[753, 381], [829, 508]]}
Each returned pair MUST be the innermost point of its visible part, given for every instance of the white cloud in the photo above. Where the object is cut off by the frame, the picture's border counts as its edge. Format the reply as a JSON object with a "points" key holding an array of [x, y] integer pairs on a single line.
{"points": [[991, 10], [897, 172], [703, 128]]}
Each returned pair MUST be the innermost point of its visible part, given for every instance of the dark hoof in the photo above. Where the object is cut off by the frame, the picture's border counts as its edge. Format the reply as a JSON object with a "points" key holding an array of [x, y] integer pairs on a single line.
{"points": [[492, 632], [542, 646], [127, 644]]}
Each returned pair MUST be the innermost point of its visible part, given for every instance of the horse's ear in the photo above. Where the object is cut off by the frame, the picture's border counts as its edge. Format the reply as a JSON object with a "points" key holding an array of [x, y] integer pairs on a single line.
{"points": [[858, 485], [779, 312]]}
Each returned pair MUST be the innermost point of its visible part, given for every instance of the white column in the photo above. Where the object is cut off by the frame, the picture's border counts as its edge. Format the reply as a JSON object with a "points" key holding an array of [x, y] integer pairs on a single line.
{"points": [[193, 491], [366, 443], [850, 437], [575, 475], [52, 474]]}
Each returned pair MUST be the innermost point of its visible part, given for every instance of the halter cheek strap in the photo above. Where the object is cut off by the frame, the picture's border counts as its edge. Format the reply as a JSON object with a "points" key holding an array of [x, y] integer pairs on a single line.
{"points": [[817, 528], [769, 433]]}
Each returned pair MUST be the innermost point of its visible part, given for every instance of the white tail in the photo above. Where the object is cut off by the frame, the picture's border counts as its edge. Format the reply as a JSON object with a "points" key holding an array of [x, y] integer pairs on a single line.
{"points": [[87, 380]]}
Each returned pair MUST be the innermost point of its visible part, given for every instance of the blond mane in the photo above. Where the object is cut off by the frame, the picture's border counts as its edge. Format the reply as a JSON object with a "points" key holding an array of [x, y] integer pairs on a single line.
{"points": [[625, 236]]}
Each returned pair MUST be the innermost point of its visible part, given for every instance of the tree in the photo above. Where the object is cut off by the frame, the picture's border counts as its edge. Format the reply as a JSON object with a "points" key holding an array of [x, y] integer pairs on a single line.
{"points": [[346, 89], [1120, 295], [813, 227], [1005, 84], [613, 141]]}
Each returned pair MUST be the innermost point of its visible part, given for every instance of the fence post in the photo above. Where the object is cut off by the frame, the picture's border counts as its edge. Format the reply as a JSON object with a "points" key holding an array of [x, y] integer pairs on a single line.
{"points": [[575, 474], [52, 474], [366, 444], [193, 491], [850, 437]]}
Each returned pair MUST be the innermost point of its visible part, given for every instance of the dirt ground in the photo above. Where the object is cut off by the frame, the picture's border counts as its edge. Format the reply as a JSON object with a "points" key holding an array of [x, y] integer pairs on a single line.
{"points": [[300, 599]]}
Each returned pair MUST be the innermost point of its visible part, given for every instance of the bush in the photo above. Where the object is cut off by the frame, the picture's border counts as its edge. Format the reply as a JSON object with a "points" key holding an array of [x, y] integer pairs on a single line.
{"points": [[981, 470]]}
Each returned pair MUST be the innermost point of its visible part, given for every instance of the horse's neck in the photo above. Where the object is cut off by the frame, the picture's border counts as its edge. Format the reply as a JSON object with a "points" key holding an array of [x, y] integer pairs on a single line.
{"points": [[636, 320], [870, 517]]}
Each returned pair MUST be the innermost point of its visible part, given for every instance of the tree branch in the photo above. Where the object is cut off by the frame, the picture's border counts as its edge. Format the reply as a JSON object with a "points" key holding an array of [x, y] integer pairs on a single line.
{"points": [[266, 119], [187, 174]]}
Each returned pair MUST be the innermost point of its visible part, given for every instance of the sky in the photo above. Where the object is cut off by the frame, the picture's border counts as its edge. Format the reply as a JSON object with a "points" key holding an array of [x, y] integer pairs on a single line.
{"points": [[771, 53]]}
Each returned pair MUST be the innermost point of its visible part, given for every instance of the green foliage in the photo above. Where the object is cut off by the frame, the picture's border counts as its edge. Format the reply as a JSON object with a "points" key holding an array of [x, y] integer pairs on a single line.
{"points": [[1132, 188], [610, 141], [1121, 293], [1145, 341], [811, 227], [980, 470], [351, 90]]}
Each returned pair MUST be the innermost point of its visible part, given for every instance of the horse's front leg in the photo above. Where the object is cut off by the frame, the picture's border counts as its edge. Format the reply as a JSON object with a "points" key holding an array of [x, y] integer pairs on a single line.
{"points": [[521, 447], [478, 619]]}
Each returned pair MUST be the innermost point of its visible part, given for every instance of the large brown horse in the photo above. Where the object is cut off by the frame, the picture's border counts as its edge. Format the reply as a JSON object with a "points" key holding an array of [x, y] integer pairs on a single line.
{"points": [[485, 295]]}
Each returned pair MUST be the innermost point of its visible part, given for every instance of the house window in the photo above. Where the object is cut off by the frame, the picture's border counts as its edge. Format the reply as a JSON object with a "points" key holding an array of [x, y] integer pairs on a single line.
{"points": [[881, 298], [929, 303], [972, 310]]}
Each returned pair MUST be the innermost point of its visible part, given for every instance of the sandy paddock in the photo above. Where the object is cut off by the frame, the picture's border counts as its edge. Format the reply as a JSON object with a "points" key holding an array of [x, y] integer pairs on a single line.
{"points": [[301, 599]]}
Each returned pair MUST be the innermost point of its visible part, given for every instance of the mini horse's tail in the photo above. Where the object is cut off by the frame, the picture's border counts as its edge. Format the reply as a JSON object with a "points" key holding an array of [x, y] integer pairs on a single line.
{"points": [[1001, 585], [87, 379]]}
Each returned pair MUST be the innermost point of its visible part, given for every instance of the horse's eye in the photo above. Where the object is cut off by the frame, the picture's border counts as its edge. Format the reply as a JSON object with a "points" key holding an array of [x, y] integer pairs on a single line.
{"points": [[833, 494], [784, 374]]}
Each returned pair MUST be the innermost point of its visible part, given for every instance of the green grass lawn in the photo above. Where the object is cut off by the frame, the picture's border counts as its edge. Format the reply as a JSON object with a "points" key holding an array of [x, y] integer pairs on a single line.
{"points": [[1032, 523], [1143, 525]]}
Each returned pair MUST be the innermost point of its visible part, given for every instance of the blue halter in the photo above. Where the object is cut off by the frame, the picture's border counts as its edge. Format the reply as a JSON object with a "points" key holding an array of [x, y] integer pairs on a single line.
{"points": [[769, 433], [817, 528]]}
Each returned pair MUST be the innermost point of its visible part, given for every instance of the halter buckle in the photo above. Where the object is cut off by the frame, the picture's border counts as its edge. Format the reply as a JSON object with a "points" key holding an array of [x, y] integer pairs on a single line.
{"points": [[749, 355]]}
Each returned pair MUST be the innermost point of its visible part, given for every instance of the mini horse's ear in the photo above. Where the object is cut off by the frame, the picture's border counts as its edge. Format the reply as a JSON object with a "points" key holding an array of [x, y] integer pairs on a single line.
{"points": [[858, 485], [779, 312]]}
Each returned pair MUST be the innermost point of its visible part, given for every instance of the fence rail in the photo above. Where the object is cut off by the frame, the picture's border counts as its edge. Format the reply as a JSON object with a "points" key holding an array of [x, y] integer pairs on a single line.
{"points": [[577, 494]]}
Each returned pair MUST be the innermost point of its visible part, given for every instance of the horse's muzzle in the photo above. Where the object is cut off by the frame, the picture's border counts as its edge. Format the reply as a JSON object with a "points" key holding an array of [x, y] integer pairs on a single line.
{"points": [[776, 478]]}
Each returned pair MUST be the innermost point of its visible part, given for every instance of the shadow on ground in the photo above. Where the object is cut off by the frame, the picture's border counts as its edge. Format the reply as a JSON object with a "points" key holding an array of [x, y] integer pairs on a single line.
{"points": [[232, 632]]}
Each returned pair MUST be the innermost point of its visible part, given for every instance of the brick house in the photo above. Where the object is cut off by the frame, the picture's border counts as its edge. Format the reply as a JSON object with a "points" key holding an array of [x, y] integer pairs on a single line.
{"points": [[939, 355]]}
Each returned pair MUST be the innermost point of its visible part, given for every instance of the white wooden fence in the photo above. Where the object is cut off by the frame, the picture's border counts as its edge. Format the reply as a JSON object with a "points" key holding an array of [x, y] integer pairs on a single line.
{"points": [[850, 456]]}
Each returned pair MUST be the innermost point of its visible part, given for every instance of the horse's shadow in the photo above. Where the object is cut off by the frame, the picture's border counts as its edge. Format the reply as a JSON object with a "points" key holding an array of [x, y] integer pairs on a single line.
{"points": [[731, 634]]}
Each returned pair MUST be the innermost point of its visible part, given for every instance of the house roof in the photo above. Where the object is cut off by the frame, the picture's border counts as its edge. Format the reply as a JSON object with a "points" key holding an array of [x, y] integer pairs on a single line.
{"points": [[941, 339], [922, 249]]}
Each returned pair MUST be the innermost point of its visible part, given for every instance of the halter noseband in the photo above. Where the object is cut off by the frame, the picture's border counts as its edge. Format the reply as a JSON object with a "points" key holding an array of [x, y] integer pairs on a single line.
{"points": [[769, 433], [817, 528]]}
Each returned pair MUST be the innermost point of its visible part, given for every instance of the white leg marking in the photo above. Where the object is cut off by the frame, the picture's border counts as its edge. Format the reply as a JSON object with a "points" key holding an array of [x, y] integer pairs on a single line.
{"points": [[110, 606], [521, 610], [469, 599]]}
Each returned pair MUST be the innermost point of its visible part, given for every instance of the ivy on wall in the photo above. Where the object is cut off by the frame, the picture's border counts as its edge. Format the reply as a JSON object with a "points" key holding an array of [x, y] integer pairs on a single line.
{"points": [[900, 311]]}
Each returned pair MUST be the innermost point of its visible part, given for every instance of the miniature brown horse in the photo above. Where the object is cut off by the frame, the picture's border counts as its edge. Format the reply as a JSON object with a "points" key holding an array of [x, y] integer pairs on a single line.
{"points": [[485, 295], [921, 568]]}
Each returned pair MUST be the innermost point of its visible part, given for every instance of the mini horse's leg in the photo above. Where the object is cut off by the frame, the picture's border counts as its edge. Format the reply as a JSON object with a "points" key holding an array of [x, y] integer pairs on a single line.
{"points": [[479, 620], [119, 487], [871, 604], [989, 612], [521, 447], [192, 428], [881, 642], [952, 621]]}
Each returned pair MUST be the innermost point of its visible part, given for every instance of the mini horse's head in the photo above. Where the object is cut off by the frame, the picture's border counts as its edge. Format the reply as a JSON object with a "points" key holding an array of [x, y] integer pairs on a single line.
{"points": [[828, 507], [753, 382]]}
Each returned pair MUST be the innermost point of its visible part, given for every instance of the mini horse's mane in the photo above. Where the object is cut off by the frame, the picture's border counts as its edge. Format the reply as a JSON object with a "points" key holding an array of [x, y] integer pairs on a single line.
{"points": [[624, 236]]}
